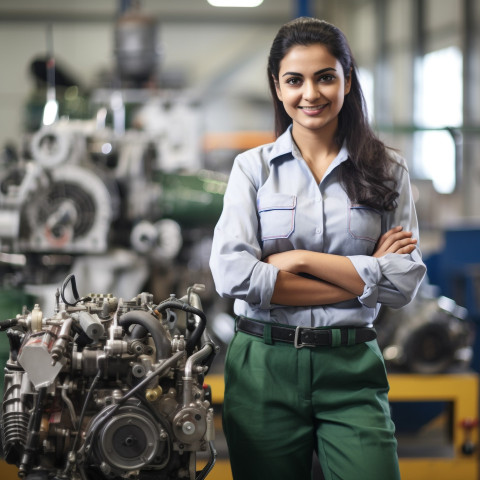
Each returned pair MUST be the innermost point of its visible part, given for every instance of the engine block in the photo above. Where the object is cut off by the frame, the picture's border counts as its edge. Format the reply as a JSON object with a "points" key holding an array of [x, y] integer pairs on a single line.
{"points": [[109, 389]]}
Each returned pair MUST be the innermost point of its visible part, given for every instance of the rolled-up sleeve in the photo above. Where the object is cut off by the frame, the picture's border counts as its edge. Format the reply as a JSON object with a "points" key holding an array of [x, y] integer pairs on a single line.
{"points": [[235, 259], [394, 279], [391, 280]]}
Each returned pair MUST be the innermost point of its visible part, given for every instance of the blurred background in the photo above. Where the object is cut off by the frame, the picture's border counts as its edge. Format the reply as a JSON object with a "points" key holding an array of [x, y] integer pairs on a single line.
{"points": [[119, 123]]}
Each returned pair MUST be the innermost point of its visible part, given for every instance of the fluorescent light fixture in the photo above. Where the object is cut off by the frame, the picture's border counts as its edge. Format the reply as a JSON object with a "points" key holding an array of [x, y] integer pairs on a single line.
{"points": [[50, 112], [235, 3]]}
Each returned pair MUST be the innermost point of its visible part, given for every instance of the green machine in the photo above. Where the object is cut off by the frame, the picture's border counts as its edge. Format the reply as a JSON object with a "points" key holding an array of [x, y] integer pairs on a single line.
{"points": [[192, 200]]}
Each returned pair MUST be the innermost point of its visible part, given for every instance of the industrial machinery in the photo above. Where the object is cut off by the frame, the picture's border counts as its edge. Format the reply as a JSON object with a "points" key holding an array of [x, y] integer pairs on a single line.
{"points": [[431, 335], [107, 388], [80, 183], [80, 191], [114, 187]]}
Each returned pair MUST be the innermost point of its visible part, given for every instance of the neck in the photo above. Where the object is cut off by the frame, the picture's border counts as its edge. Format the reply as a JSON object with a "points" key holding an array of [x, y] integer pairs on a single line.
{"points": [[316, 145], [318, 148]]}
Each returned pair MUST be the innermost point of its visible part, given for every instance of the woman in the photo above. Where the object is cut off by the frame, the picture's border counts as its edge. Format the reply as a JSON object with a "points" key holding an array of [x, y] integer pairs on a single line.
{"points": [[317, 231]]}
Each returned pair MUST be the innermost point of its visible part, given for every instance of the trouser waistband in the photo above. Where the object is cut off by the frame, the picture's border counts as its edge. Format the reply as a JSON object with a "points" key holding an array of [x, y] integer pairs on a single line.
{"points": [[307, 337]]}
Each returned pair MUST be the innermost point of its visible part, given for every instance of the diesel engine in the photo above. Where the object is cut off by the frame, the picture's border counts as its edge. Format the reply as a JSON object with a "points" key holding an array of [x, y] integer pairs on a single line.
{"points": [[107, 388]]}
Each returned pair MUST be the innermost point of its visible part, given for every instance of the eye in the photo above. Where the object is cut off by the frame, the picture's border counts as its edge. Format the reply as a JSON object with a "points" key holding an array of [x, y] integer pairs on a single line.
{"points": [[327, 77], [294, 81]]}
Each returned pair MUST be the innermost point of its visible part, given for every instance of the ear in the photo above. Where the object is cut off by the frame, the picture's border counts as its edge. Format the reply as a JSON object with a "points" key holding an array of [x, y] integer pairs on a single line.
{"points": [[348, 82], [277, 88]]}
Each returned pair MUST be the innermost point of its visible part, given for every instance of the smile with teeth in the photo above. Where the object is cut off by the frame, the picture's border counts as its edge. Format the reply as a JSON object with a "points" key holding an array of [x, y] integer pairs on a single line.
{"points": [[313, 108]]}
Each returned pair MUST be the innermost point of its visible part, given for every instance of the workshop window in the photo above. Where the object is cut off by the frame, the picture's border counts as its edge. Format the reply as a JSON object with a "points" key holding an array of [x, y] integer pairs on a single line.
{"points": [[438, 105], [365, 77]]}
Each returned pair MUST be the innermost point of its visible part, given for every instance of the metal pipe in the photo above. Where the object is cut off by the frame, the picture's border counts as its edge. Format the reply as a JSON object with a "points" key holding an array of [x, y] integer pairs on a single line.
{"points": [[304, 8], [69, 404], [188, 378], [33, 434], [63, 338]]}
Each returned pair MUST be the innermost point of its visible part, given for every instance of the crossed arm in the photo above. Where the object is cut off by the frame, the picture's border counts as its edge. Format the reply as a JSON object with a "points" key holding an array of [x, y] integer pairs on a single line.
{"points": [[337, 278]]}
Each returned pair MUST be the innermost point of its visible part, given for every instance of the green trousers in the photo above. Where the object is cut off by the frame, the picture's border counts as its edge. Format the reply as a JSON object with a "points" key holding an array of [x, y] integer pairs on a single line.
{"points": [[282, 403]]}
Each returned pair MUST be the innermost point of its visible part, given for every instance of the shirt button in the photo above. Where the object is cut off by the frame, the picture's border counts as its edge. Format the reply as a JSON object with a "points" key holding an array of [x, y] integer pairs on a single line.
{"points": [[318, 230]]}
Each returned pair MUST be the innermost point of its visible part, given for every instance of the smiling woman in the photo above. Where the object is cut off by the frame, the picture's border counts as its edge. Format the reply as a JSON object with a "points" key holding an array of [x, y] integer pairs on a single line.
{"points": [[312, 86], [318, 230]]}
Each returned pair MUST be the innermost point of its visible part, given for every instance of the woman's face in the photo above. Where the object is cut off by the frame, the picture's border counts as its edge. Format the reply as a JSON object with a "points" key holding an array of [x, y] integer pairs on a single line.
{"points": [[311, 85]]}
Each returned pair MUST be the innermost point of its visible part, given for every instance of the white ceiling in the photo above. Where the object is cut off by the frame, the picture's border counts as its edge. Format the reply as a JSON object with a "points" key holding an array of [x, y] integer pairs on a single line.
{"points": [[271, 11]]}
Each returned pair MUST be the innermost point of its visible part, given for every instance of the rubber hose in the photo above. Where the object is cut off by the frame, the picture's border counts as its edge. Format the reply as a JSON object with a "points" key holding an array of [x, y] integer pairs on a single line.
{"points": [[159, 335], [197, 333], [6, 324]]}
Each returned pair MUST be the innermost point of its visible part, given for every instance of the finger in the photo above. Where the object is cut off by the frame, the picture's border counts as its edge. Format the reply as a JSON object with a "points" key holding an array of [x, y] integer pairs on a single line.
{"points": [[407, 249], [389, 233], [400, 244], [396, 237], [404, 241]]}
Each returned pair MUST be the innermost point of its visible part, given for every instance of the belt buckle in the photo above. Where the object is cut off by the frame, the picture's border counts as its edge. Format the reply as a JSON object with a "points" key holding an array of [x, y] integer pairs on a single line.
{"points": [[295, 340]]}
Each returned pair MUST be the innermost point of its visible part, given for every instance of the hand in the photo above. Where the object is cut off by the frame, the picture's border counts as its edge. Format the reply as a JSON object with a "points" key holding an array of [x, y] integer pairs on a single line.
{"points": [[395, 241]]}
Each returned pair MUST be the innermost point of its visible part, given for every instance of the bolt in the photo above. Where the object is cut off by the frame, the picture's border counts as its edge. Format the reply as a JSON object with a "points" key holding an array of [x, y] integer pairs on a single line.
{"points": [[188, 428]]}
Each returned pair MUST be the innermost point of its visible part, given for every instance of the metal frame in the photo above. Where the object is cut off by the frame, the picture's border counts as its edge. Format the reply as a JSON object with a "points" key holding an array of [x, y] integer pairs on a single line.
{"points": [[463, 391]]}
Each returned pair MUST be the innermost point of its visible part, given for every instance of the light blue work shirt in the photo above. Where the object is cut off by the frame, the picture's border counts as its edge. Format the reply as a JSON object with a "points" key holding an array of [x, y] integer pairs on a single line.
{"points": [[273, 204]]}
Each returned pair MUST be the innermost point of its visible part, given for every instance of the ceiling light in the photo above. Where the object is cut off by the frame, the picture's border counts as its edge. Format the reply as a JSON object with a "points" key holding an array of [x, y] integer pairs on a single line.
{"points": [[235, 3]]}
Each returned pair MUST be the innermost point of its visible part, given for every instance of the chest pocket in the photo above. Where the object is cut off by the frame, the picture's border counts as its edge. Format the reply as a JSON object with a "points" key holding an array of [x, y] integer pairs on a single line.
{"points": [[364, 223], [277, 215]]}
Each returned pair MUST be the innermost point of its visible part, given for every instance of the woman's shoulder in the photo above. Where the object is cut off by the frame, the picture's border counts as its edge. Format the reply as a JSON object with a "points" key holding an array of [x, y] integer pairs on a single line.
{"points": [[262, 152], [269, 151], [399, 164], [254, 163], [255, 157]]}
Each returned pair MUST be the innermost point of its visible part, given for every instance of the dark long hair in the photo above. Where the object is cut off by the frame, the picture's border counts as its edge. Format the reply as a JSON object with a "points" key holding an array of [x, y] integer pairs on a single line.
{"points": [[366, 175]]}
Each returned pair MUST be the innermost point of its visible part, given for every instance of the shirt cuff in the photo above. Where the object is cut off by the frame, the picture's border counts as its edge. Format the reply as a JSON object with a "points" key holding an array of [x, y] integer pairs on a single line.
{"points": [[369, 270], [262, 285]]}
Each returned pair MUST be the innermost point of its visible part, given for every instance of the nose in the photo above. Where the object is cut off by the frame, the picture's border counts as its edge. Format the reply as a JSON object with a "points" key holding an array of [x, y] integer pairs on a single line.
{"points": [[311, 91]]}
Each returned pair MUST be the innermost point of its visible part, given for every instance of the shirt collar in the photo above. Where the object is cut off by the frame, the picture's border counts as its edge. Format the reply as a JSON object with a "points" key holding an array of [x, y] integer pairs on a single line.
{"points": [[284, 145]]}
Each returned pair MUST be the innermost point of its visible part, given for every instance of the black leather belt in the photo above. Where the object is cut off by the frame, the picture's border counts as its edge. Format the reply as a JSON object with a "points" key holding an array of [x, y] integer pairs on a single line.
{"points": [[308, 337]]}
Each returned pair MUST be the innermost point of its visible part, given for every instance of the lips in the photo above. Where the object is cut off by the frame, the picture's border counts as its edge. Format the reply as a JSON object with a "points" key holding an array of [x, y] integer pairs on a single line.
{"points": [[313, 109]]}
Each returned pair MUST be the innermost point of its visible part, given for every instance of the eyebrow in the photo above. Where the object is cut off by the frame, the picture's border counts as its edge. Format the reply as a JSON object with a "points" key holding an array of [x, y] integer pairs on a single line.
{"points": [[323, 70]]}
